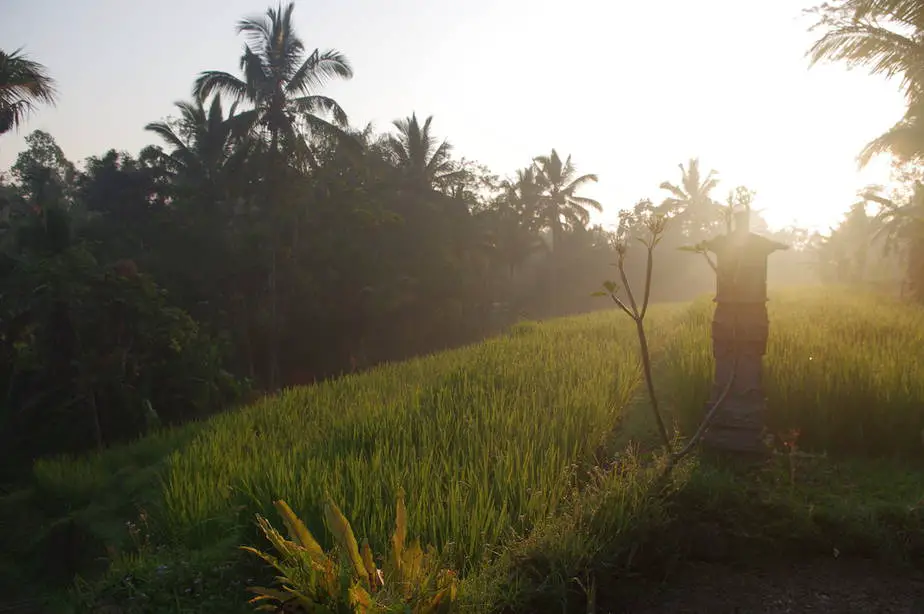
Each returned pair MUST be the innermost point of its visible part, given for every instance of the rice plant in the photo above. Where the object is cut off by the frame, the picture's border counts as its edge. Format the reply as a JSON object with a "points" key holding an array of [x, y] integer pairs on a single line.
{"points": [[486, 440], [843, 368], [491, 440]]}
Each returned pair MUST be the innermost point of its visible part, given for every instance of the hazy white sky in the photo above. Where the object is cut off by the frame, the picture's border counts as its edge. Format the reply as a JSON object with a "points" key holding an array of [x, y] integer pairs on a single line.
{"points": [[630, 89]]}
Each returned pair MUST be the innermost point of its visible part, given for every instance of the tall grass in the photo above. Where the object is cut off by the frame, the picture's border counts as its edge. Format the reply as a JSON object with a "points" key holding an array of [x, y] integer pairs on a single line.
{"points": [[489, 441], [485, 440], [844, 368]]}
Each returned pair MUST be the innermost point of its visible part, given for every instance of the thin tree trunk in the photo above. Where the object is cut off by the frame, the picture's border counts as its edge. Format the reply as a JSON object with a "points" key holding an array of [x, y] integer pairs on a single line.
{"points": [[245, 322], [94, 415], [556, 237], [275, 175], [86, 387], [274, 321]]}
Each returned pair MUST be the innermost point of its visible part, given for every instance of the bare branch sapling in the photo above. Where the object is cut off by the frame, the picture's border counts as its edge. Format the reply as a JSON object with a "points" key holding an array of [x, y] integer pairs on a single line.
{"points": [[655, 225]]}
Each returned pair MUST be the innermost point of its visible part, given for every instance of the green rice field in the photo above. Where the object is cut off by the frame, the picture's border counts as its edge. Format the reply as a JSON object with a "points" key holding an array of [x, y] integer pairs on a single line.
{"points": [[489, 441]]}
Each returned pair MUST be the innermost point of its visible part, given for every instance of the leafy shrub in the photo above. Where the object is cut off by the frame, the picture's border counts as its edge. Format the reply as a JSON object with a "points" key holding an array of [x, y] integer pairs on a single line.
{"points": [[348, 580], [92, 354]]}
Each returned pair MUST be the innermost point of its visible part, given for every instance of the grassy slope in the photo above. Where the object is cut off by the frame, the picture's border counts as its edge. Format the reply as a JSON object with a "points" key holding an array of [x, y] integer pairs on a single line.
{"points": [[486, 440], [491, 442]]}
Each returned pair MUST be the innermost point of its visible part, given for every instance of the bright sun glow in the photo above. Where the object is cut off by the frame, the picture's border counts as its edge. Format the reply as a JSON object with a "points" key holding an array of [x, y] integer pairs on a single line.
{"points": [[629, 89], [633, 91]]}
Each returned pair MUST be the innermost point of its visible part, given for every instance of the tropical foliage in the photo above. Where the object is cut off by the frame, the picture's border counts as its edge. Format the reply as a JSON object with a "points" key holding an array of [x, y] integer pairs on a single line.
{"points": [[349, 580], [24, 83], [887, 38]]}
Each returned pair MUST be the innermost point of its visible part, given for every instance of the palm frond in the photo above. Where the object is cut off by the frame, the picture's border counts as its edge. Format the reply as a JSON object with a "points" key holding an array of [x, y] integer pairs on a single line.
{"points": [[164, 131], [215, 119], [710, 183], [191, 113], [588, 203], [906, 11], [904, 140], [312, 105], [257, 29], [241, 124], [578, 182], [542, 161], [676, 191], [882, 51], [319, 68], [440, 158], [25, 78], [325, 128], [23, 84], [217, 81], [14, 114], [258, 78]]}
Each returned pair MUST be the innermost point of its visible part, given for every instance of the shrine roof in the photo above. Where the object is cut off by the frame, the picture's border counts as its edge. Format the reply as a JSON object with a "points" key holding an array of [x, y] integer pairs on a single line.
{"points": [[753, 241]]}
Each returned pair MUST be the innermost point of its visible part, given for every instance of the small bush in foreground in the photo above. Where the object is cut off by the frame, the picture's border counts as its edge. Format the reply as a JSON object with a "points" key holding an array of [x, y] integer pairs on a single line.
{"points": [[312, 580]]}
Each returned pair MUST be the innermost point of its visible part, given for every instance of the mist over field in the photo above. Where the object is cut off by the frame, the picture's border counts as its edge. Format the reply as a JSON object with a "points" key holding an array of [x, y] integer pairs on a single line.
{"points": [[289, 319]]}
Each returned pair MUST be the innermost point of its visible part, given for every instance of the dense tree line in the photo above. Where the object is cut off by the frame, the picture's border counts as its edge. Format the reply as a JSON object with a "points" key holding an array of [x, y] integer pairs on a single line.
{"points": [[267, 242]]}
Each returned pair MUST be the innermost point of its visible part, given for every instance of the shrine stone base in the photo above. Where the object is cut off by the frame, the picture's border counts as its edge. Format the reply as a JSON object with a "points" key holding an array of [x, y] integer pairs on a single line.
{"points": [[738, 426]]}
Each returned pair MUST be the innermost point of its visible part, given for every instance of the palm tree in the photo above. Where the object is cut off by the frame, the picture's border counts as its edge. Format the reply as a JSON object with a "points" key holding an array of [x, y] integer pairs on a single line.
{"points": [[904, 140], [424, 161], [522, 195], [279, 82], [559, 206], [881, 35], [204, 144], [514, 220], [691, 200], [23, 84], [886, 37], [902, 223]]}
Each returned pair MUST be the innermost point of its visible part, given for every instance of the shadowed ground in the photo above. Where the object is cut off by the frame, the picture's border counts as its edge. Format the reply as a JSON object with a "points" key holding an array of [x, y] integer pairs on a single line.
{"points": [[830, 585]]}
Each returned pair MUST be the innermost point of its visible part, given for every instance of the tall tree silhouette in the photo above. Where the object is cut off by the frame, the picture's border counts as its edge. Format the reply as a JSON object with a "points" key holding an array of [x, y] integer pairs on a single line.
{"points": [[691, 199], [279, 82], [424, 161], [514, 235], [203, 144], [23, 84], [559, 206]]}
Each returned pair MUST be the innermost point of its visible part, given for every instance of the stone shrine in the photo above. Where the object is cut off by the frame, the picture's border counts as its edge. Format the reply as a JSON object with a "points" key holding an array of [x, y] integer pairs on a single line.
{"points": [[739, 338]]}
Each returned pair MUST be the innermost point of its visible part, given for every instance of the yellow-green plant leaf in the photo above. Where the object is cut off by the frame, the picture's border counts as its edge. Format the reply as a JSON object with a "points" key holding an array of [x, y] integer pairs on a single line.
{"points": [[398, 538], [369, 563], [439, 603], [412, 559], [281, 544], [411, 567], [298, 531], [330, 581], [340, 527], [304, 600], [267, 558], [267, 593], [360, 600]]}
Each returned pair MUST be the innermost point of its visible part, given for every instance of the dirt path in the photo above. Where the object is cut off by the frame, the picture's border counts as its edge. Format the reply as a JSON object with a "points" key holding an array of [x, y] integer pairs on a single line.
{"points": [[835, 586]]}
